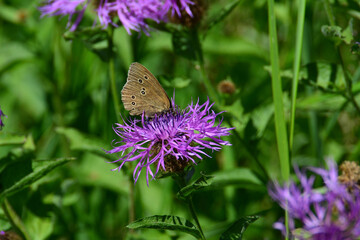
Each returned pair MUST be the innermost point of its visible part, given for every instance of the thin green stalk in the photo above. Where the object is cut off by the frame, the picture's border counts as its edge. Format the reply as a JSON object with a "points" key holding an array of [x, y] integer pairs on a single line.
{"points": [[329, 12], [199, 54], [280, 125], [132, 199], [114, 91], [180, 180], [296, 69], [194, 216], [15, 219]]}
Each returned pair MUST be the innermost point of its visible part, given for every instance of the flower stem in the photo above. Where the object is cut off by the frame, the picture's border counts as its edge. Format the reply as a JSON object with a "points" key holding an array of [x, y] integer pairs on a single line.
{"points": [[200, 57], [280, 125], [194, 216], [114, 91], [15, 219], [132, 200], [180, 180], [329, 12], [296, 67]]}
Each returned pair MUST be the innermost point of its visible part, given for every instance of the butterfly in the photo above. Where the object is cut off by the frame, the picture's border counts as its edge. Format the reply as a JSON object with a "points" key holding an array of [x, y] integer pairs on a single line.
{"points": [[142, 92]]}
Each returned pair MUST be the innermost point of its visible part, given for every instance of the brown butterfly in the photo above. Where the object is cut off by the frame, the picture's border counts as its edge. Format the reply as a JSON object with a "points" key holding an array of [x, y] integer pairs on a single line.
{"points": [[142, 92]]}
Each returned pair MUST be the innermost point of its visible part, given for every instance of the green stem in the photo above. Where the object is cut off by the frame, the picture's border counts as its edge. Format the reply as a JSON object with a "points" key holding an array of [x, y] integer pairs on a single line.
{"points": [[114, 91], [329, 12], [280, 125], [15, 219], [180, 180], [194, 216], [200, 57], [297, 60], [132, 199]]}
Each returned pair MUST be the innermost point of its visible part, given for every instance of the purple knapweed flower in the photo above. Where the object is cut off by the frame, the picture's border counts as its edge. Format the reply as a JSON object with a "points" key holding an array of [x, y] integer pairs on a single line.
{"points": [[176, 6], [169, 140], [330, 214], [66, 7], [131, 13], [1, 121]]}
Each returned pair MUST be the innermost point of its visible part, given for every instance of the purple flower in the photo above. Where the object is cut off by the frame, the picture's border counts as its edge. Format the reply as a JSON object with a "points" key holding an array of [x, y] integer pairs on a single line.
{"points": [[1, 121], [175, 6], [66, 7], [169, 140], [333, 213], [131, 13]]}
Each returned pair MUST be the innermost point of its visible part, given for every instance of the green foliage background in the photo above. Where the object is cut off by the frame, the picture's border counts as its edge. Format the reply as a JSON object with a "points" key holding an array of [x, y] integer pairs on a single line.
{"points": [[56, 93]]}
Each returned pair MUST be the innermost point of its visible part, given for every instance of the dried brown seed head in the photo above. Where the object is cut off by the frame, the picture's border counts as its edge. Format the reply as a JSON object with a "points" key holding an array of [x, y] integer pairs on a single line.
{"points": [[226, 86]]}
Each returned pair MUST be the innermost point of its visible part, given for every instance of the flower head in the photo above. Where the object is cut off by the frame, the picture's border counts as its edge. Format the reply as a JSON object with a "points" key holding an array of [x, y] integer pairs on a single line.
{"points": [[132, 14], [170, 140], [331, 214], [1, 121], [66, 7]]}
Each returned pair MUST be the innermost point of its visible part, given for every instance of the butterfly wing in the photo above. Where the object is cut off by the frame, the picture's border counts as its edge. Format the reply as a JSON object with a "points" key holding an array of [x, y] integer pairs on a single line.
{"points": [[143, 92]]}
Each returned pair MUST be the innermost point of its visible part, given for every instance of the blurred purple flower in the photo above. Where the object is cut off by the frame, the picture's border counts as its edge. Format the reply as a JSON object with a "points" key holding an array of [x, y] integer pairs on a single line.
{"points": [[1, 121], [131, 13], [175, 6], [177, 135], [332, 214], [66, 7]]}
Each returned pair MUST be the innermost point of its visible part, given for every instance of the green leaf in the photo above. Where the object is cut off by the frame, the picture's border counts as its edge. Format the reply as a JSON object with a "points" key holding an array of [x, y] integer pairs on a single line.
{"points": [[94, 38], [94, 171], [348, 33], [81, 142], [176, 82], [17, 153], [325, 76], [241, 177], [203, 182], [321, 102], [88, 34], [221, 15], [38, 228], [11, 139], [335, 33], [234, 47], [12, 54], [261, 117], [321, 75], [33, 177], [12, 14], [237, 229], [332, 33], [166, 222]]}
